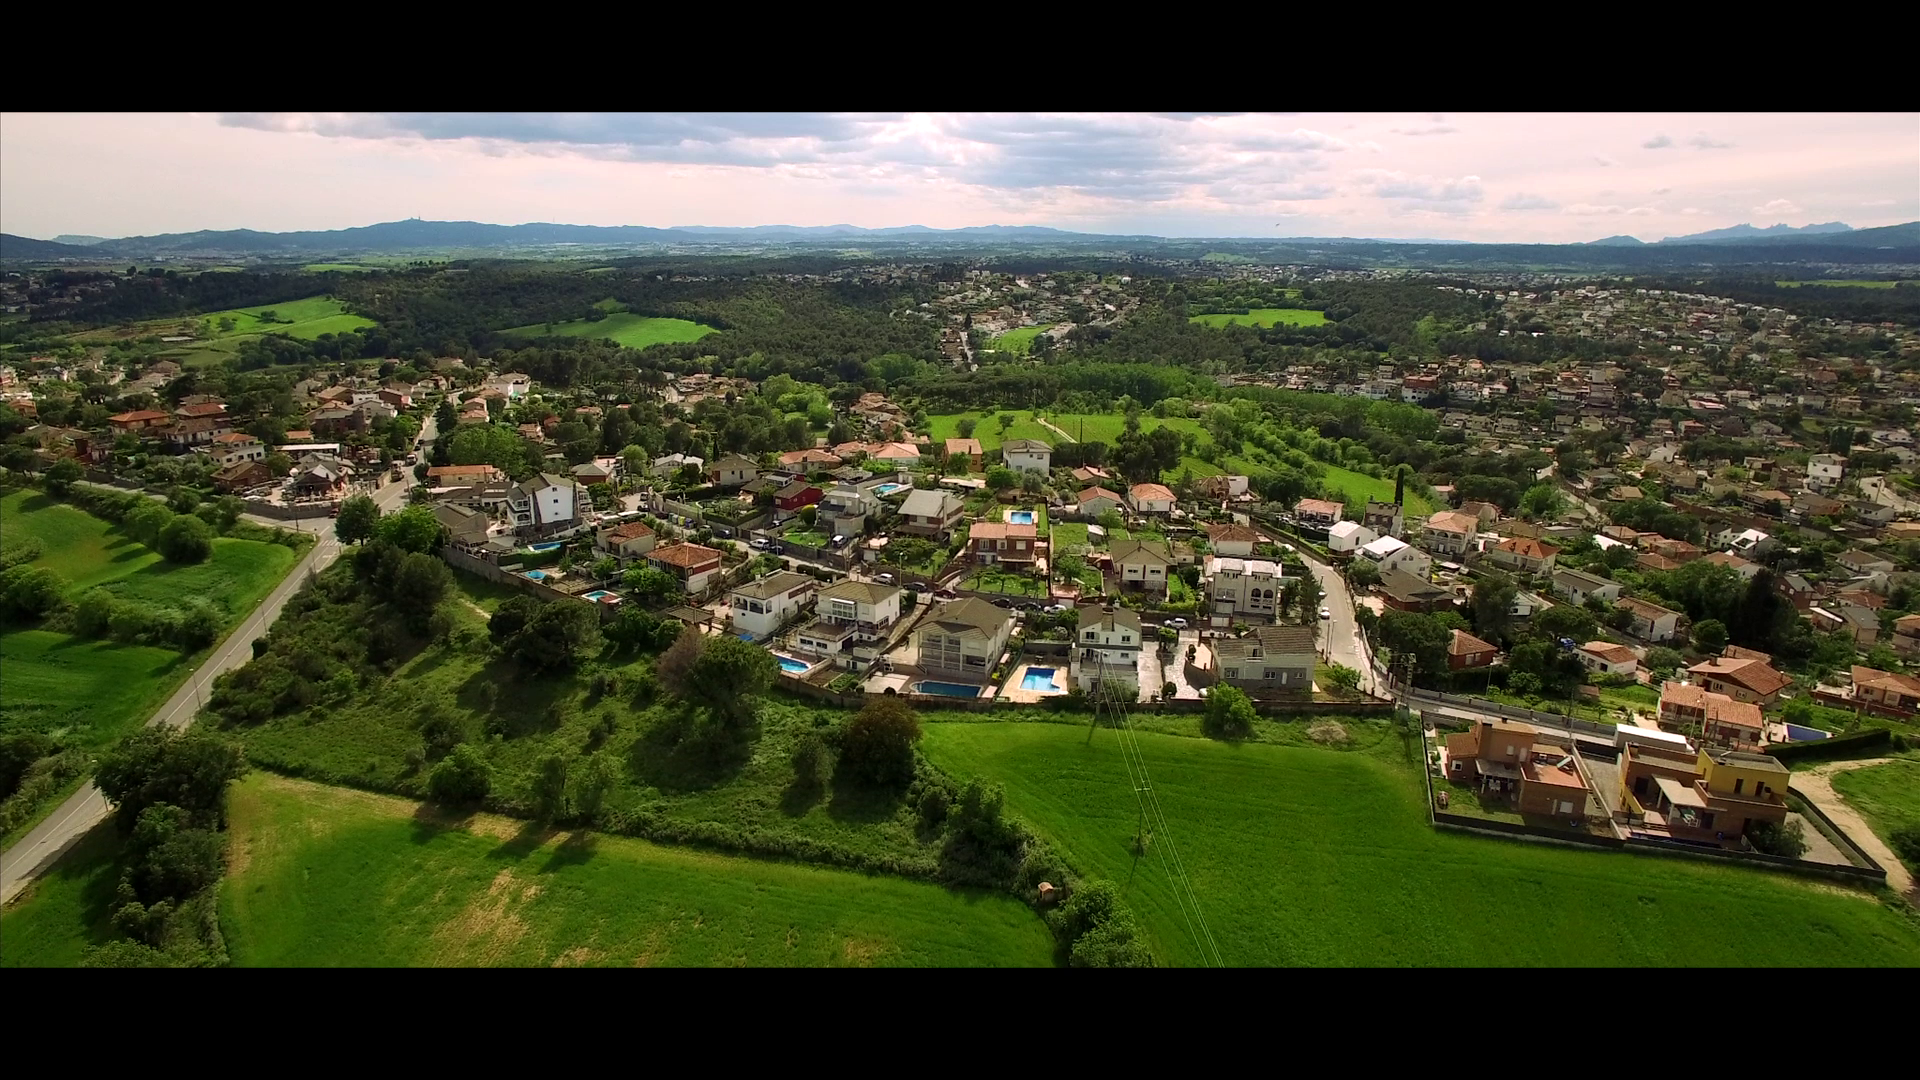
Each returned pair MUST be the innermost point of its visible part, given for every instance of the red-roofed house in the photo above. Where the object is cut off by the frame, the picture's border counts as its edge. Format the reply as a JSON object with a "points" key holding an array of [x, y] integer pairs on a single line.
{"points": [[1525, 554], [1321, 512], [1741, 679], [692, 565], [1150, 499], [1467, 651], [1001, 542], [629, 541]]}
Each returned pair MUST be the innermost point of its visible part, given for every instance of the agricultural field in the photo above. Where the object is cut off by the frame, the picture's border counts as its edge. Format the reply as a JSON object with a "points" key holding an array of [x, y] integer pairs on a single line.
{"points": [[304, 319], [1888, 795], [1308, 856], [89, 692], [1360, 487], [1019, 342], [1265, 317], [622, 327], [1849, 284], [325, 876], [70, 907], [988, 432], [339, 268]]}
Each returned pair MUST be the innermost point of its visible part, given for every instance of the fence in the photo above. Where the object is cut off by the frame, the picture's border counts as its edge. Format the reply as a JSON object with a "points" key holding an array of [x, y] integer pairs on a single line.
{"points": [[1807, 808]]}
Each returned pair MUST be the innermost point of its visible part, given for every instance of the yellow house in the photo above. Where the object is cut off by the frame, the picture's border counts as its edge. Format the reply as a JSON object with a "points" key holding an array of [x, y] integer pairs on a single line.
{"points": [[1754, 777]]}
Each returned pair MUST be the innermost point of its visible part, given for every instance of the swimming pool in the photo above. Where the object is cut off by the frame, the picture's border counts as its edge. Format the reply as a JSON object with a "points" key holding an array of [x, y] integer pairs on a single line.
{"points": [[789, 664], [1040, 680], [536, 575], [600, 595], [554, 545], [1020, 517], [944, 689], [888, 489]]}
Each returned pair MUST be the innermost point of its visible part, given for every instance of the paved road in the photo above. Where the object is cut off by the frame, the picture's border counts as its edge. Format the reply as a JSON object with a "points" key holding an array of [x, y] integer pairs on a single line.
{"points": [[87, 808], [1879, 490], [1340, 634]]}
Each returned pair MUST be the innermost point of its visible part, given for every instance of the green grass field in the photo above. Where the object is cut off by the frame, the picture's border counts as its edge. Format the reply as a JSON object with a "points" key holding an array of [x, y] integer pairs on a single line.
{"points": [[90, 692], [988, 432], [73, 543], [1265, 317], [304, 319], [329, 877], [1019, 342], [624, 328], [1888, 795], [1850, 284], [53, 920], [1360, 487], [1308, 856], [339, 268]]}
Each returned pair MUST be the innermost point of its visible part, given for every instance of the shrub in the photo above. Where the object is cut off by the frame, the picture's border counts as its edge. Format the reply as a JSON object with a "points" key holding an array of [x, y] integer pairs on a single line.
{"points": [[186, 539], [1905, 842], [18, 752], [877, 746], [463, 776], [809, 760], [1095, 929], [1230, 713], [1788, 841], [30, 592]]}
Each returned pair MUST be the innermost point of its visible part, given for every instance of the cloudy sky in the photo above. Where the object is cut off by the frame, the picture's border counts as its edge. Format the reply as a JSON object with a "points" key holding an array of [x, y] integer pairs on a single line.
{"points": [[1534, 177]]}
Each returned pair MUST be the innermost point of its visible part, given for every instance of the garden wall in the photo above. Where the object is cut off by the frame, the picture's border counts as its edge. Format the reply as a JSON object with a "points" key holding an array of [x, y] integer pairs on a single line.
{"points": [[1807, 808]]}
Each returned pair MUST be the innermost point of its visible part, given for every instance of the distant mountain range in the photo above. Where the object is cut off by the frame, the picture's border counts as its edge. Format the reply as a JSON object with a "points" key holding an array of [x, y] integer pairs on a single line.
{"points": [[418, 236]]}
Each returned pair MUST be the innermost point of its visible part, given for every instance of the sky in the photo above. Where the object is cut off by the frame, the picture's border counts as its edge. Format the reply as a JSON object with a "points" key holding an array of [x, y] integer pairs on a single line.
{"points": [[1517, 178]]}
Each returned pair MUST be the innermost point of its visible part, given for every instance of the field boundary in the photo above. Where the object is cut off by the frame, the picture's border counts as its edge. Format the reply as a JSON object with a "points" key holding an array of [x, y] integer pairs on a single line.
{"points": [[1808, 808]]}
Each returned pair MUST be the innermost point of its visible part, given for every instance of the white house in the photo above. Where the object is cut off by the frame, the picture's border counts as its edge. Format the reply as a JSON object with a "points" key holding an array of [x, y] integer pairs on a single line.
{"points": [[1242, 590], [1150, 499], [963, 637], [1649, 620], [1142, 564], [664, 467], [1577, 585], [763, 606], [1027, 455], [1234, 540], [543, 503], [1825, 470], [1095, 501], [1346, 537], [845, 508], [733, 471], [625, 542], [1106, 648], [1606, 658], [512, 384], [853, 623], [1450, 532], [1391, 554]]}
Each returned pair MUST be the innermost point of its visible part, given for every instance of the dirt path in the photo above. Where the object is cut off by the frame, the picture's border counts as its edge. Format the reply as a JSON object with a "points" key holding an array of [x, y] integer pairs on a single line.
{"points": [[1048, 424], [478, 610], [1814, 786]]}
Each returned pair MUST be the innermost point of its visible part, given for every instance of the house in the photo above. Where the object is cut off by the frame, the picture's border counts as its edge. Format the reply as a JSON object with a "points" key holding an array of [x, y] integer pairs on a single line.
{"points": [[991, 542], [1502, 758], [1106, 649], [241, 476], [963, 637], [1746, 541], [199, 431], [1268, 659], [796, 494], [1526, 605], [625, 542], [1735, 563], [1859, 624], [1741, 678], [1150, 499], [1679, 551], [853, 623], [1606, 658], [337, 422], [1320, 512], [1095, 501], [1625, 493], [845, 509], [235, 447], [138, 420], [1906, 635], [733, 471], [512, 385], [761, 607], [1485, 513], [808, 460], [1405, 592], [466, 527], [1234, 540], [929, 514], [1649, 620], [1647, 560], [1142, 564], [399, 395], [1449, 532], [692, 565], [1347, 537], [1383, 518], [667, 467], [1885, 692], [1717, 797], [1577, 585], [1389, 553], [1224, 487], [1858, 562], [970, 448], [1721, 720], [1027, 455], [1466, 651], [543, 503], [588, 473], [199, 410], [1242, 590], [1824, 471], [1524, 554]]}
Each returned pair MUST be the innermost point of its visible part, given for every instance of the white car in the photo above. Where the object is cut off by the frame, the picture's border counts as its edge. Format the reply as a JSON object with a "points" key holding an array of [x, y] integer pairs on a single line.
{"points": [[1177, 624], [1326, 613], [759, 544], [884, 579]]}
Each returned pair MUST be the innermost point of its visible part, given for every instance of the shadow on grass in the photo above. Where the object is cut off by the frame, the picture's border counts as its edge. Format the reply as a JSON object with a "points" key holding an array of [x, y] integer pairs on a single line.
{"points": [[859, 804], [801, 796], [430, 820], [532, 834], [521, 704], [579, 846], [686, 752]]}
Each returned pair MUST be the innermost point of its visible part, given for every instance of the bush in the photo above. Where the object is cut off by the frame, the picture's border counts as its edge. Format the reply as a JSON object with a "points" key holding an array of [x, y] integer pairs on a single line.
{"points": [[30, 592], [1095, 929], [1905, 842], [186, 539], [18, 752], [1230, 713], [463, 776], [877, 746], [809, 761], [1789, 841]]}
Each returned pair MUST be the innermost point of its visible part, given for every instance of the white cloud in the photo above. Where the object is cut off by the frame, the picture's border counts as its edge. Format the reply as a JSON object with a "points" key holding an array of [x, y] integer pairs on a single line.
{"points": [[1878, 202], [1589, 209], [1392, 184], [1658, 142], [1432, 129], [1703, 141], [1778, 206], [1642, 211], [1604, 161], [1661, 190], [1522, 201]]}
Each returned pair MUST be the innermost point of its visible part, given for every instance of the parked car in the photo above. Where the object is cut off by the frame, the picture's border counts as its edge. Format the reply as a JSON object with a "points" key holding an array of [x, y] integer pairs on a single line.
{"points": [[1055, 609], [838, 541], [1326, 613], [884, 579], [1177, 624], [759, 543]]}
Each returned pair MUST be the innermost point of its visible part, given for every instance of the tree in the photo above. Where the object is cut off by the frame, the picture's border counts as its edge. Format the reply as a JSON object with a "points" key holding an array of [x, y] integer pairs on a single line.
{"points": [[1662, 660], [463, 776], [725, 674], [145, 521], [28, 592], [418, 585], [591, 784], [550, 788], [1787, 840], [186, 539], [1710, 636], [1566, 621], [1364, 573], [1343, 677], [555, 636], [62, 474], [358, 516], [1492, 606], [964, 427], [1542, 502], [1096, 930], [414, 529], [1230, 713], [876, 748], [154, 765], [651, 583], [1005, 420], [1000, 478]]}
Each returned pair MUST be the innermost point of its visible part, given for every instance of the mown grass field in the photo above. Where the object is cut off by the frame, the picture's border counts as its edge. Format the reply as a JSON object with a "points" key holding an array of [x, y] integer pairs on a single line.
{"points": [[340, 268], [988, 432], [304, 319], [624, 328], [1265, 317], [1019, 342], [1309, 856], [73, 543], [1360, 487], [325, 876], [89, 692], [51, 923], [1888, 795]]}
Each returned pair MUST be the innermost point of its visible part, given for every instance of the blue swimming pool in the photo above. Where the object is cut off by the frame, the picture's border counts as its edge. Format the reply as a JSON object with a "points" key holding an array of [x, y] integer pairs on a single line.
{"points": [[1040, 680], [554, 545], [537, 575], [789, 664], [599, 595], [1020, 517], [888, 489], [944, 689]]}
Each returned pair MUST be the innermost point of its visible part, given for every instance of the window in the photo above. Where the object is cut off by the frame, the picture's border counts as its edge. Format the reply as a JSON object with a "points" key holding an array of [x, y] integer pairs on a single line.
{"points": [[1737, 785], [1706, 821], [1268, 674], [1126, 639], [1093, 635], [1513, 751], [1233, 673]]}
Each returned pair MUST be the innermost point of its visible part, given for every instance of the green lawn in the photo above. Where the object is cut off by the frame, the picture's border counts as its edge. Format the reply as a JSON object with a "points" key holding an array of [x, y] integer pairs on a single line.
{"points": [[90, 692], [1360, 487], [805, 538], [1010, 583], [69, 908], [625, 328], [1888, 795], [1265, 317], [328, 877], [1069, 536], [304, 319], [1019, 342], [988, 432], [84, 549], [1308, 856]]}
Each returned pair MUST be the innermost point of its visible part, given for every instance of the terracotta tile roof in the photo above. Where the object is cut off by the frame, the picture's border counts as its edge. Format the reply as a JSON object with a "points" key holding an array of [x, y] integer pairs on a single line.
{"points": [[1454, 522], [1611, 653], [1529, 547], [1754, 675], [1096, 492], [630, 531], [1001, 530], [685, 556], [1150, 491], [1465, 644], [1885, 681], [1232, 534], [1323, 507]]}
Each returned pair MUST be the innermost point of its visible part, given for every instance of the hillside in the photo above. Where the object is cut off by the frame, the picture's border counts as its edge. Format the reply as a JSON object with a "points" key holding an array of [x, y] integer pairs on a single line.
{"points": [[25, 247]]}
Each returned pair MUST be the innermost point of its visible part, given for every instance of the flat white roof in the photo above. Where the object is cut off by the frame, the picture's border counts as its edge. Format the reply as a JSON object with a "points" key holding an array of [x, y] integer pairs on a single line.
{"points": [[1628, 731]]}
